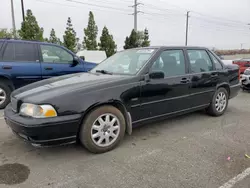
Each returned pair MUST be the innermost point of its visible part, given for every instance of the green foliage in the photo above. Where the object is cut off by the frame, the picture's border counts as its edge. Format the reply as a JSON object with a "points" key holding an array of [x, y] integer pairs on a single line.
{"points": [[131, 41], [30, 29], [4, 33], [145, 42], [53, 38], [69, 38], [137, 39], [107, 42], [89, 41]]}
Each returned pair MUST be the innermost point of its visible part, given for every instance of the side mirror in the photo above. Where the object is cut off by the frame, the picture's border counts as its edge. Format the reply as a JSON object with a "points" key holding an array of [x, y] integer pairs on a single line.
{"points": [[75, 61], [82, 57], [156, 75]]}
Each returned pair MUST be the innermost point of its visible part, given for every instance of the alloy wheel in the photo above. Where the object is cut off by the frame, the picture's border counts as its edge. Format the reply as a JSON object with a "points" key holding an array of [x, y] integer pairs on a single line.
{"points": [[105, 130]]}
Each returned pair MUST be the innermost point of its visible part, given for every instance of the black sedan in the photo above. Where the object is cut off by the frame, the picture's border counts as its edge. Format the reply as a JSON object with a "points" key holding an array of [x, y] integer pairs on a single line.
{"points": [[129, 88]]}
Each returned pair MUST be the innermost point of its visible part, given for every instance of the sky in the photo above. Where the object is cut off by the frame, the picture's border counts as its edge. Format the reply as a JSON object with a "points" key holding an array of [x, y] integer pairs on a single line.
{"points": [[222, 24]]}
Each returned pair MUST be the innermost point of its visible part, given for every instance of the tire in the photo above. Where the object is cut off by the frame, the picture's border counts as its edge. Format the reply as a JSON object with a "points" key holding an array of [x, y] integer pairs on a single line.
{"points": [[5, 91], [213, 108], [88, 130]]}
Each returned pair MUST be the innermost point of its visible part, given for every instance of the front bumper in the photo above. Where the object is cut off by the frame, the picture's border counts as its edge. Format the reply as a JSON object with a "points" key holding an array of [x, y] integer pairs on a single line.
{"points": [[245, 79], [44, 131]]}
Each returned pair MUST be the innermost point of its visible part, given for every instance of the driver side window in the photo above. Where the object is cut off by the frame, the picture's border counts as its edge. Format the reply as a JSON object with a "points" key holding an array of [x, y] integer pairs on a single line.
{"points": [[171, 62], [54, 54]]}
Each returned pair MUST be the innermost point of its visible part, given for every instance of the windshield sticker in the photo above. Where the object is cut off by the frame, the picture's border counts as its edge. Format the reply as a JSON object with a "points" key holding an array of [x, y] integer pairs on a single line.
{"points": [[147, 51]]}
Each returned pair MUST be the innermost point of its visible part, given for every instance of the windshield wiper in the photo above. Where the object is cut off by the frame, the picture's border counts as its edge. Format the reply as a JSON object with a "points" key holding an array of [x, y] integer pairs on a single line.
{"points": [[104, 72]]}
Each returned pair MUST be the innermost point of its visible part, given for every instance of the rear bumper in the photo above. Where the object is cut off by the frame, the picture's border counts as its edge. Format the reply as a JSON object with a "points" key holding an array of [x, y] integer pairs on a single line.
{"points": [[44, 131], [234, 90]]}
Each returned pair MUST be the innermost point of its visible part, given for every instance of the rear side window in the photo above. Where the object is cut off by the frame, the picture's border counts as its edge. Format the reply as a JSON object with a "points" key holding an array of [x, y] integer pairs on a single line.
{"points": [[20, 52], [200, 61], [217, 64]]}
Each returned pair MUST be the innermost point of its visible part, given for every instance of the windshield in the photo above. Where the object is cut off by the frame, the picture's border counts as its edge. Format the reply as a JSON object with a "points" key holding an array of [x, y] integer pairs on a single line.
{"points": [[125, 62]]}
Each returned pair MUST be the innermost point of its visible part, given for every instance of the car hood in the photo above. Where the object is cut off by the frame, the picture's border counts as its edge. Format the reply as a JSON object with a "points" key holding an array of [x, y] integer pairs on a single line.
{"points": [[65, 84]]}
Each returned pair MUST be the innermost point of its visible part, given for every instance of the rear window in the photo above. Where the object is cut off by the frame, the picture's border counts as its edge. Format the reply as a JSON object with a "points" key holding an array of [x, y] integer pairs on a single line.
{"points": [[20, 52]]}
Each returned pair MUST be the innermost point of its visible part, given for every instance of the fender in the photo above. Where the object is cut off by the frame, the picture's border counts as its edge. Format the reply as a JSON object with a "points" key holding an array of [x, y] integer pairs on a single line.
{"points": [[224, 84], [8, 79]]}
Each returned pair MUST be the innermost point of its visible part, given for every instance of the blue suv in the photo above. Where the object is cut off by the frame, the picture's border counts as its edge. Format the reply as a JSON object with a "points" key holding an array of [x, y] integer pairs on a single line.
{"points": [[23, 62]]}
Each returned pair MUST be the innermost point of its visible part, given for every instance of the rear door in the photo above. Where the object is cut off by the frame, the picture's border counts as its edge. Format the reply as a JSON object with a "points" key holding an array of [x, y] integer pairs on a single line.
{"points": [[56, 61], [20, 62], [203, 77]]}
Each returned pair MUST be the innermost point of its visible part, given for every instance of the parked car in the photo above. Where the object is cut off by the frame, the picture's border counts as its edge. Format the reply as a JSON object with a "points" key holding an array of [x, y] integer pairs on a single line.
{"points": [[245, 79], [98, 107], [243, 63], [24, 62]]}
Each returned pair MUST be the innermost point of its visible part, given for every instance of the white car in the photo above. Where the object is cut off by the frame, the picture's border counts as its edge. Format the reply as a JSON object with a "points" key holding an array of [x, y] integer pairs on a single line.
{"points": [[245, 79]]}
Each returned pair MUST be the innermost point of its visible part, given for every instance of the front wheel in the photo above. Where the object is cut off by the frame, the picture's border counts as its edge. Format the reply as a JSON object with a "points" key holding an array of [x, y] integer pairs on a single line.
{"points": [[219, 102], [4, 94], [102, 129]]}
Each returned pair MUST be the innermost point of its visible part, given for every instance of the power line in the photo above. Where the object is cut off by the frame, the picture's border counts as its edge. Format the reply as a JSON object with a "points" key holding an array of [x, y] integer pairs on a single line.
{"points": [[105, 10], [226, 25], [201, 14], [95, 5], [220, 18]]}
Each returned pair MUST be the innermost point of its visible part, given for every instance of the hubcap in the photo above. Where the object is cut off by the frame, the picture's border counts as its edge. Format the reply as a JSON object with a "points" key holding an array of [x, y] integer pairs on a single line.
{"points": [[220, 102], [2, 96], [105, 130]]}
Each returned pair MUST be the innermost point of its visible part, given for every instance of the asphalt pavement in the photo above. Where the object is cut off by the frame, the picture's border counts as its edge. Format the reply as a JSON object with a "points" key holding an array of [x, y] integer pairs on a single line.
{"points": [[190, 151]]}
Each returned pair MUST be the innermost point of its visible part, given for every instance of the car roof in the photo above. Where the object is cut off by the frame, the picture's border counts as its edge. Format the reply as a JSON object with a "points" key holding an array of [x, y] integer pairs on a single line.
{"points": [[159, 47], [29, 41]]}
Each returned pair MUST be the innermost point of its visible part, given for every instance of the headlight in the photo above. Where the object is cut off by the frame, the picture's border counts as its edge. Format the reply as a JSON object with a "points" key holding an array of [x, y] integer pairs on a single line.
{"points": [[37, 111]]}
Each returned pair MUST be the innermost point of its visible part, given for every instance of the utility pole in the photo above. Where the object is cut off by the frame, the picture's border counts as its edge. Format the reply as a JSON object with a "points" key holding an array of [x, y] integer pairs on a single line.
{"points": [[23, 10], [135, 16], [13, 19], [187, 19], [135, 13]]}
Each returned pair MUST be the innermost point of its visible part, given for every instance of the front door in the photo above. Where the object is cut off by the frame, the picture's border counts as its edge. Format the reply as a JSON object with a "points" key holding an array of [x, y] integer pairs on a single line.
{"points": [[168, 95], [20, 61], [56, 61], [203, 76]]}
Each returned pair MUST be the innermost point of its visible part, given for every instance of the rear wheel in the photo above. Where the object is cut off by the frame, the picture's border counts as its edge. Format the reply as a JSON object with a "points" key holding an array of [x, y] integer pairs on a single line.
{"points": [[219, 102], [5, 92], [103, 129]]}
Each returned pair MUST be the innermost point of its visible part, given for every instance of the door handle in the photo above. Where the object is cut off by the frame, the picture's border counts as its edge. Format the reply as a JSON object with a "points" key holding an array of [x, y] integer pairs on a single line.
{"points": [[6, 67], [214, 75], [185, 80], [48, 68]]}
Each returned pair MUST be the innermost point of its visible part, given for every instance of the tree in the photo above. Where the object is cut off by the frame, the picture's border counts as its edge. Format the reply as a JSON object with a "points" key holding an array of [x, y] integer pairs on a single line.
{"points": [[145, 42], [131, 41], [137, 39], [69, 38], [107, 42], [78, 45], [89, 41], [30, 29], [53, 38], [4, 33]]}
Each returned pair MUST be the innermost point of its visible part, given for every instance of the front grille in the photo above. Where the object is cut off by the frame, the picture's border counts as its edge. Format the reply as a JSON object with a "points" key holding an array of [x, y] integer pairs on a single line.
{"points": [[247, 72], [14, 104]]}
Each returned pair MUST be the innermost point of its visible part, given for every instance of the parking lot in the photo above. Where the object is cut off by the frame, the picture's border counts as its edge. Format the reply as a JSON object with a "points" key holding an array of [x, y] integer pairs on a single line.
{"points": [[193, 150]]}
